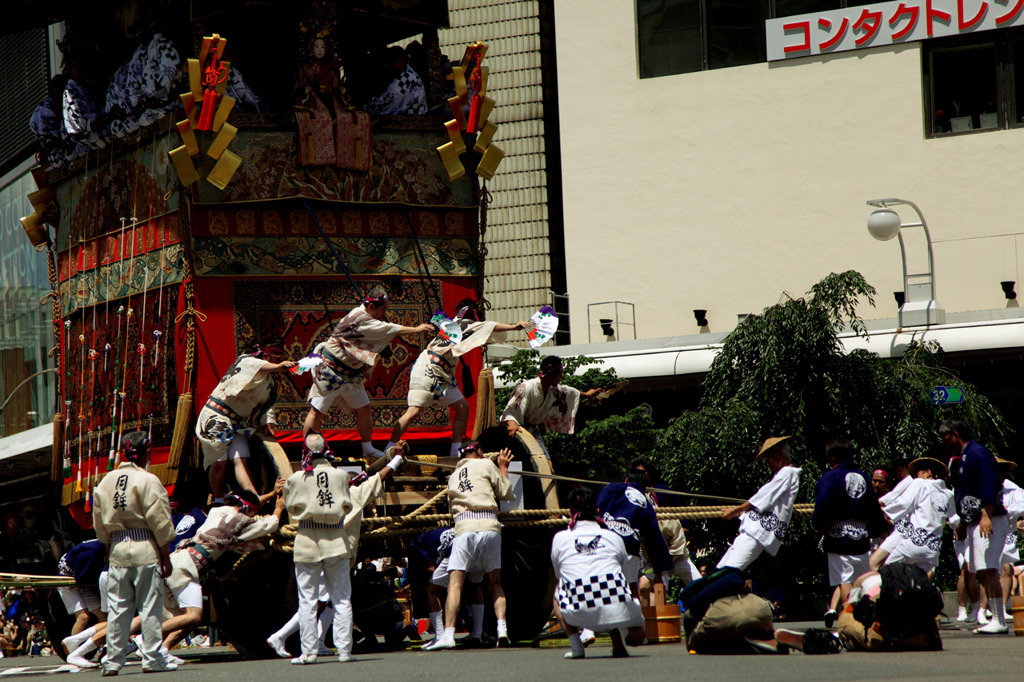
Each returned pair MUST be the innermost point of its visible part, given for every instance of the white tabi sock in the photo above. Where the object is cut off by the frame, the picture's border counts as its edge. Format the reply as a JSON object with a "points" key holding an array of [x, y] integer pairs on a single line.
{"points": [[76, 640], [84, 648], [1000, 616], [289, 629], [961, 613], [449, 634], [437, 620], [390, 445], [369, 450], [477, 630], [502, 628], [454, 452], [577, 646]]}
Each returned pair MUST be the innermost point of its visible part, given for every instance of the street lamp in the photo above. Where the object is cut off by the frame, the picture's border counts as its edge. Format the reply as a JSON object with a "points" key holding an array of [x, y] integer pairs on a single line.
{"points": [[920, 307]]}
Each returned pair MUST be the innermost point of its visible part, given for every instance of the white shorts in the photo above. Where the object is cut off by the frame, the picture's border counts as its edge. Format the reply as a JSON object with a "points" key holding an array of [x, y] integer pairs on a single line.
{"points": [[442, 573], [741, 553], [986, 553], [351, 393], [686, 571], [79, 598], [476, 552], [843, 569], [923, 560], [189, 595], [891, 541], [960, 547], [103, 591]]}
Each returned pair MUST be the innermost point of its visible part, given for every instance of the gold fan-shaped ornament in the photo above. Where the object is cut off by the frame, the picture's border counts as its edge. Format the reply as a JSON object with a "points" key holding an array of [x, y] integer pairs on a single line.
{"points": [[207, 109], [471, 77]]}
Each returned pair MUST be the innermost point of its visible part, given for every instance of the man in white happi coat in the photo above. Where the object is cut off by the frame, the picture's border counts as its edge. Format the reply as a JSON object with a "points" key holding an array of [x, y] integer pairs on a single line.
{"points": [[919, 514], [764, 518], [348, 358], [233, 527], [592, 591], [1013, 500], [328, 514], [544, 404], [474, 489], [433, 380], [240, 405], [132, 516]]}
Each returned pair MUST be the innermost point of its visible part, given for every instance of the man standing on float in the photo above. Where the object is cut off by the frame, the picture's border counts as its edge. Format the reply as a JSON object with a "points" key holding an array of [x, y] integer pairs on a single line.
{"points": [[348, 356]]}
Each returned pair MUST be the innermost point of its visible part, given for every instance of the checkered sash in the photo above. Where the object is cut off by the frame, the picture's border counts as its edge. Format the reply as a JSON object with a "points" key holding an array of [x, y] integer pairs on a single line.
{"points": [[593, 591]]}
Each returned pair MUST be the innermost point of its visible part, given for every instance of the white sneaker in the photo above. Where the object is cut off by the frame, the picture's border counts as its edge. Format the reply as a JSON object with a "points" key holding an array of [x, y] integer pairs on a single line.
{"points": [[576, 654], [587, 637], [440, 643], [171, 658], [81, 661], [324, 651], [278, 646], [304, 659], [993, 628], [346, 658]]}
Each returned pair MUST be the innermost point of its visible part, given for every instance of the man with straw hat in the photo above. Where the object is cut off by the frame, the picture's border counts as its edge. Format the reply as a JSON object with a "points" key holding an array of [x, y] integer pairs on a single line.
{"points": [[979, 503], [925, 508], [764, 518]]}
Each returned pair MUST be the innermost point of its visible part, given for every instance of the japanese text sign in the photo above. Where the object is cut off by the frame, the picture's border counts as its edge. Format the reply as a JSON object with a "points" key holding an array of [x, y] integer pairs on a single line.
{"points": [[887, 23]]}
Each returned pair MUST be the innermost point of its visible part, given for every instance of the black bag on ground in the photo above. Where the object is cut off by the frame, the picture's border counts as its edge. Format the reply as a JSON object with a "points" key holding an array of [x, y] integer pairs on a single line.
{"points": [[907, 605]]}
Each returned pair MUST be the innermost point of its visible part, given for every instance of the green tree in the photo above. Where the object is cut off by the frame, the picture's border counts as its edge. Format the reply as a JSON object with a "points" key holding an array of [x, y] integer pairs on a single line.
{"points": [[784, 372]]}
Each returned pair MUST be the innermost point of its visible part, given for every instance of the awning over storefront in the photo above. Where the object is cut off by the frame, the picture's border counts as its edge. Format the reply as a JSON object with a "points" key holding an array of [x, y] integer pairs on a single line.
{"points": [[26, 453]]}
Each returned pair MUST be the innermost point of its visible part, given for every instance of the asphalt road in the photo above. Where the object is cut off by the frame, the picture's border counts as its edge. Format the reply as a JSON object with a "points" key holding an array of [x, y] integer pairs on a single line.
{"points": [[966, 656]]}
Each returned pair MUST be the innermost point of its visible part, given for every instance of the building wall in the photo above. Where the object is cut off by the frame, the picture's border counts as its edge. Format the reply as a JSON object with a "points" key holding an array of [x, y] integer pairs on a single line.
{"points": [[26, 331], [518, 265], [723, 189]]}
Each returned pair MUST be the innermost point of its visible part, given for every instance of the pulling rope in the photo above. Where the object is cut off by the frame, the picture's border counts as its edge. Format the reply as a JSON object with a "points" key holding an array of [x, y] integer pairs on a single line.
{"points": [[555, 477]]}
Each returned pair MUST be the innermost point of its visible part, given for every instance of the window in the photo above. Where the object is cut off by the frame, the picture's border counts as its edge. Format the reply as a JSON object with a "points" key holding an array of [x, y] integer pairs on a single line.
{"points": [[971, 84], [682, 36]]}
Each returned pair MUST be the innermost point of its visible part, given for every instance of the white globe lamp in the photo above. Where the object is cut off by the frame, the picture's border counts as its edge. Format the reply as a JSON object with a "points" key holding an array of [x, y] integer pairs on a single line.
{"points": [[884, 224]]}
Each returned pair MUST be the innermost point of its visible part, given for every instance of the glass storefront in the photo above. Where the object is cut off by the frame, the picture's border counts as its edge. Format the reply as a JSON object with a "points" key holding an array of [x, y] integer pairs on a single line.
{"points": [[26, 334]]}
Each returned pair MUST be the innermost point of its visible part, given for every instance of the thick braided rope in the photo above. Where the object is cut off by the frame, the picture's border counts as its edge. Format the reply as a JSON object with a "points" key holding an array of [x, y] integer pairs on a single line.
{"points": [[525, 518]]}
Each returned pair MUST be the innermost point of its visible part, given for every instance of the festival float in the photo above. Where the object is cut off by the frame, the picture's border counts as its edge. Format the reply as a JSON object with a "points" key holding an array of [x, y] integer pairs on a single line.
{"points": [[177, 246]]}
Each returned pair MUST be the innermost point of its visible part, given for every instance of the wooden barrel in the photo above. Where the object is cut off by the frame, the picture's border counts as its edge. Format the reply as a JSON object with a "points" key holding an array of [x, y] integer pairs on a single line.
{"points": [[662, 620], [1017, 607]]}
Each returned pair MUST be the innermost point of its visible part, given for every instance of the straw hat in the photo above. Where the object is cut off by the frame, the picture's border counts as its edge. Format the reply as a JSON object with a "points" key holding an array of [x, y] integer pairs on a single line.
{"points": [[1010, 466], [769, 444], [937, 468]]}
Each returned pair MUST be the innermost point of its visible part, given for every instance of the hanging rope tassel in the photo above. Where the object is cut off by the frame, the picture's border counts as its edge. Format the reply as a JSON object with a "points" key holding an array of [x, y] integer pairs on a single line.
{"points": [[486, 416], [183, 415]]}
